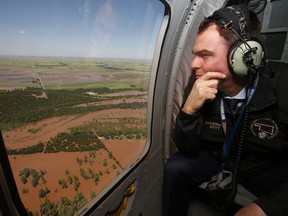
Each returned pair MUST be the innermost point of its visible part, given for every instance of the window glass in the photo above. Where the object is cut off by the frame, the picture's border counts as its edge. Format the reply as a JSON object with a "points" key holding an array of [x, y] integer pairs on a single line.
{"points": [[73, 95]]}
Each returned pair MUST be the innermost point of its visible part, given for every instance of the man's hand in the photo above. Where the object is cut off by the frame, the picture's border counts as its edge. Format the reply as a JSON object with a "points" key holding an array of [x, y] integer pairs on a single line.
{"points": [[204, 88], [250, 210]]}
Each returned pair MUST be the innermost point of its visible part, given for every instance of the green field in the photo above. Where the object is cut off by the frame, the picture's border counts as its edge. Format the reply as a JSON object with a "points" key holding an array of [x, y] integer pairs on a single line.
{"points": [[71, 73]]}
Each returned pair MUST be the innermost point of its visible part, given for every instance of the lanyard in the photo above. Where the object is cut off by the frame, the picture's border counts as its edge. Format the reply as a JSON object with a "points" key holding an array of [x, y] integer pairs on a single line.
{"points": [[228, 140]]}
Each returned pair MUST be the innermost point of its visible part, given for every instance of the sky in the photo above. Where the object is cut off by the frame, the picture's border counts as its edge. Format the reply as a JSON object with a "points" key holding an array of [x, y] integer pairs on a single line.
{"points": [[80, 28]]}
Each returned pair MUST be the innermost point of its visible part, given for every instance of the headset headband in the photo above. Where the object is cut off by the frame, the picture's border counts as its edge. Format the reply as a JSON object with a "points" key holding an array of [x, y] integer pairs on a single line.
{"points": [[233, 18]]}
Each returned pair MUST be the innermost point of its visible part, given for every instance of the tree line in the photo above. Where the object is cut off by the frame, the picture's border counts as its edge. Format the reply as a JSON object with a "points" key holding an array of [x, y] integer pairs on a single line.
{"points": [[20, 106]]}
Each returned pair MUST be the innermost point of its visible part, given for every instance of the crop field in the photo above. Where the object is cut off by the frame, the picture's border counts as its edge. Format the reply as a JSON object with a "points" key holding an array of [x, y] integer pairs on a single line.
{"points": [[71, 73], [71, 126]]}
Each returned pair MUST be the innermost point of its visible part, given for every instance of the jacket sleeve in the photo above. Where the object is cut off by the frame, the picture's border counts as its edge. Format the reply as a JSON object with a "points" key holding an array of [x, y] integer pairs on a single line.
{"points": [[187, 129], [275, 203], [187, 133]]}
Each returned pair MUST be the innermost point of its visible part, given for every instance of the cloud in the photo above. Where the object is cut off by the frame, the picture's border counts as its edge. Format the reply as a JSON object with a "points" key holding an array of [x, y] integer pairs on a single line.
{"points": [[22, 32]]}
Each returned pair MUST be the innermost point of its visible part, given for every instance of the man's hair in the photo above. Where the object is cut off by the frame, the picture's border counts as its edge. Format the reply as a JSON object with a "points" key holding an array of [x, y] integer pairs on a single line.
{"points": [[252, 27]]}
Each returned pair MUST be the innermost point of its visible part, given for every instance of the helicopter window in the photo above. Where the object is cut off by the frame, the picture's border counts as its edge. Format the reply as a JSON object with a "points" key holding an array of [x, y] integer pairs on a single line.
{"points": [[74, 81]]}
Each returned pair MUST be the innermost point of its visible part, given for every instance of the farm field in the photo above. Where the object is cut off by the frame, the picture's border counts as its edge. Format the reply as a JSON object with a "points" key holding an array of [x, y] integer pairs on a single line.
{"points": [[72, 73], [70, 126]]}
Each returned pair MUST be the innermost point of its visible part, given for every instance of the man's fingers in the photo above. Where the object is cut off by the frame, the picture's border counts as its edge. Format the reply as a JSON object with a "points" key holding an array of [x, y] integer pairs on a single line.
{"points": [[207, 92], [212, 83], [213, 75]]}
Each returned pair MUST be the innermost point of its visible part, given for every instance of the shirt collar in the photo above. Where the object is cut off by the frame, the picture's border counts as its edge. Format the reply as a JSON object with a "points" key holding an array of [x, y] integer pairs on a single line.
{"points": [[239, 96]]}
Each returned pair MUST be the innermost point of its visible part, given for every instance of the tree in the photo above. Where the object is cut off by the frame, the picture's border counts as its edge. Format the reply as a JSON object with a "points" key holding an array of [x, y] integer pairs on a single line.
{"points": [[92, 194], [43, 192], [76, 183], [48, 208], [66, 207], [63, 183]]}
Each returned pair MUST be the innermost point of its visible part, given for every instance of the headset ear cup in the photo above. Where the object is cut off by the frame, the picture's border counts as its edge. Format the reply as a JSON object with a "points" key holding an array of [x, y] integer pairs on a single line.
{"points": [[237, 59]]}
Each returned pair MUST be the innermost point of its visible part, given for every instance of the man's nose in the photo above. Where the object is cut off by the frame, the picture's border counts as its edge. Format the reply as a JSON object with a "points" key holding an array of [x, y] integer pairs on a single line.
{"points": [[195, 64]]}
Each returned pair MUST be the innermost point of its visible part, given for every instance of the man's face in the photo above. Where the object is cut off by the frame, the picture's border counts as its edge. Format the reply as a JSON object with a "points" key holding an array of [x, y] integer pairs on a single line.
{"points": [[210, 52]]}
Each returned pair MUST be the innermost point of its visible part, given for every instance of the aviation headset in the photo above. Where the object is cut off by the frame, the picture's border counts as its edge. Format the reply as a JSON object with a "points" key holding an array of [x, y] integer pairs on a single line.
{"points": [[246, 56]]}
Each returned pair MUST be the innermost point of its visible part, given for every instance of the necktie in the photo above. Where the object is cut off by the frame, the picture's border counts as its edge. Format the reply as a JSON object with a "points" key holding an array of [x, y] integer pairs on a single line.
{"points": [[234, 105]]}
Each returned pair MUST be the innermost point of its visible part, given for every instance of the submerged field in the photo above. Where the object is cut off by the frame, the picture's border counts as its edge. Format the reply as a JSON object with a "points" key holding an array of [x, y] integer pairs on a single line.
{"points": [[70, 126]]}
